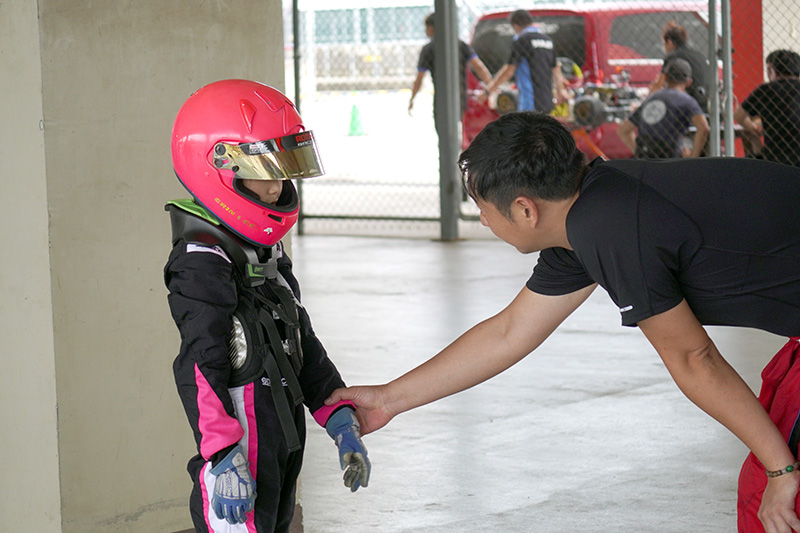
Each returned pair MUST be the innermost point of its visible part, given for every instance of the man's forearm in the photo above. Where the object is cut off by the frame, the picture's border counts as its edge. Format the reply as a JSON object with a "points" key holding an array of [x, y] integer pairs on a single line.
{"points": [[700, 138], [626, 134], [714, 386], [484, 351], [503, 75], [471, 359]]}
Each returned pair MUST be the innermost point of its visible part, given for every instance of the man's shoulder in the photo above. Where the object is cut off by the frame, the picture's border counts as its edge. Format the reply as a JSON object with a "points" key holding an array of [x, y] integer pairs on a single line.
{"points": [[785, 85], [686, 52], [427, 49], [534, 39], [676, 97], [766, 92], [465, 50], [605, 176]]}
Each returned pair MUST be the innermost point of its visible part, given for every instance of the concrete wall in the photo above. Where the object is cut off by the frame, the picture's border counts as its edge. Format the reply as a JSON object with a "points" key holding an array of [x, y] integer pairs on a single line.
{"points": [[94, 438], [28, 439]]}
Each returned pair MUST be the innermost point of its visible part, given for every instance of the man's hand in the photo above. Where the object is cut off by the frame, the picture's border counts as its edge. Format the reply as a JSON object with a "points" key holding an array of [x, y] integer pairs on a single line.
{"points": [[343, 427], [234, 490], [372, 412], [777, 511]]}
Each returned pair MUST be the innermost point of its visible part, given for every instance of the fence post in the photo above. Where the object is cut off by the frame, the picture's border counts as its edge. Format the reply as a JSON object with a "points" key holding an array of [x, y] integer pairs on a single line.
{"points": [[713, 81], [727, 77], [447, 101], [296, 72]]}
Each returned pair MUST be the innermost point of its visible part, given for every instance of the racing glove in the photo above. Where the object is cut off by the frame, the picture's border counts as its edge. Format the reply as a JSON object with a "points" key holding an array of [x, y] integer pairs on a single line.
{"points": [[234, 490], [343, 427]]}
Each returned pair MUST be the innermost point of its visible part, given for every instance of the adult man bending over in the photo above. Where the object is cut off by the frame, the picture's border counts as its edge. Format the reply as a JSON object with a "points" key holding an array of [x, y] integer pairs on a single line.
{"points": [[677, 244]]}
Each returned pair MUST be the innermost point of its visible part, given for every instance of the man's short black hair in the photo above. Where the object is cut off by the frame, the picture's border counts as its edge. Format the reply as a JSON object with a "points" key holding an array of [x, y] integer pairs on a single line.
{"points": [[522, 154], [429, 20], [521, 18], [784, 62]]}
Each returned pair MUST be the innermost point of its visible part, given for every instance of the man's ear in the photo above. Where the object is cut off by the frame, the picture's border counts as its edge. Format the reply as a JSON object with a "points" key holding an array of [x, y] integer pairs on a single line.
{"points": [[527, 209]]}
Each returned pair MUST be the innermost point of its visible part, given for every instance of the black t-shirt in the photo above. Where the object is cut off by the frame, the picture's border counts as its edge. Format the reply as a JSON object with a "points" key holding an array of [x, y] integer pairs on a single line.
{"points": [[722, 233], [427, 62], [778, 105], [699, 86], [533, 55]]}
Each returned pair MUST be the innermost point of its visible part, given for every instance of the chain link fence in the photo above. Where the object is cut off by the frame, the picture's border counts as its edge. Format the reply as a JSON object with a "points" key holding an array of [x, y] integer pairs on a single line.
{"points": [[358, 60]]}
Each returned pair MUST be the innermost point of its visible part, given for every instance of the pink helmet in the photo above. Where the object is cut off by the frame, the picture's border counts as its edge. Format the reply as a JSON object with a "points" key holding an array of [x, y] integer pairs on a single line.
{"points": [[233, 130]]}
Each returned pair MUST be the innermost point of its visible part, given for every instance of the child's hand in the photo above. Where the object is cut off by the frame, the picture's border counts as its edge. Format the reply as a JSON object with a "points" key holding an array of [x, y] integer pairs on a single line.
{"points": [[344, 428], [234, 489]]}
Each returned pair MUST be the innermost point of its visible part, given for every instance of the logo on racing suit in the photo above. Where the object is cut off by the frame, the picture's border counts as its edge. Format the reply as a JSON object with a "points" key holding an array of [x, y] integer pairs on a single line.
{"points": [[266, 382]]}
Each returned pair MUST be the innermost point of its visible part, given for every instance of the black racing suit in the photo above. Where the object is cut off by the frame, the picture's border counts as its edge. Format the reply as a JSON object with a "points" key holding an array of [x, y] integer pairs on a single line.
{"points": [[205, 291]]}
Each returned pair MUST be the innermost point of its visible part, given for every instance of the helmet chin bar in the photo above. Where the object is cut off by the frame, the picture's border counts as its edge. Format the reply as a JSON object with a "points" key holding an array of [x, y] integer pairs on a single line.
{"points": [[287, 201]]}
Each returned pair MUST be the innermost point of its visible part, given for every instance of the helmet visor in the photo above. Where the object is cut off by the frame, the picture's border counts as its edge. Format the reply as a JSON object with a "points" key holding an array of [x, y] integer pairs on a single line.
{"points": [[290, 157]]}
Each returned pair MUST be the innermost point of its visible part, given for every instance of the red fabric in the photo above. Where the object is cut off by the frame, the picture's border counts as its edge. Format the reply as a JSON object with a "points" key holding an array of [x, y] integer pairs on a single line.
{"points": [[780, 396]]}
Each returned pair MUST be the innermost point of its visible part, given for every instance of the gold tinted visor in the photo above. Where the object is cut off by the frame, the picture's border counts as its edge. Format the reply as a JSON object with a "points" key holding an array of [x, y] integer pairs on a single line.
{"points": [[291, 157]]}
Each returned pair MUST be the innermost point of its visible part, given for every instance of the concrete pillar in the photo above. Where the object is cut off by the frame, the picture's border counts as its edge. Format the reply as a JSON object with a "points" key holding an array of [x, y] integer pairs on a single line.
{"points": [[94, 437]]}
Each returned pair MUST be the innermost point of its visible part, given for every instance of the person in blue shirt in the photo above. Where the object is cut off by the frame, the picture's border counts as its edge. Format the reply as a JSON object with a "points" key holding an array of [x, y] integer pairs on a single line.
{"points": [[533, 66]]}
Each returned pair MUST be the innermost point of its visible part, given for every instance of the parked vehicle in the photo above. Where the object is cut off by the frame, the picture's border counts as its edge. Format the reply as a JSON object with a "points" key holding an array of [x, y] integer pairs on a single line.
{"points": [[610, 53]]}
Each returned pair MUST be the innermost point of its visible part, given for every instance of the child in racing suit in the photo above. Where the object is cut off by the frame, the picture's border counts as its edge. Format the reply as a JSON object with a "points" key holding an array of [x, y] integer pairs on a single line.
{"points": [[249, 358]]}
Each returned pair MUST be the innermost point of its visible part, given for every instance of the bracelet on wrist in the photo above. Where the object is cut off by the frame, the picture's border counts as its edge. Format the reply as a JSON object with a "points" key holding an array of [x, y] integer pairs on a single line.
{"points": [[788, 469]]}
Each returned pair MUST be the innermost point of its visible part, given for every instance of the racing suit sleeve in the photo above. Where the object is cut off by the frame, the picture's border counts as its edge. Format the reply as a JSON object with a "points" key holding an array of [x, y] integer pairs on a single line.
{"points": [[202, 299], [318, 376]]}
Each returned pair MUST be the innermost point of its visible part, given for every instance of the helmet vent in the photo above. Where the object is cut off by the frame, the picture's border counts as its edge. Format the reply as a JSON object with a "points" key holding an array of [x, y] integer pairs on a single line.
{"points": [[248, 112]]}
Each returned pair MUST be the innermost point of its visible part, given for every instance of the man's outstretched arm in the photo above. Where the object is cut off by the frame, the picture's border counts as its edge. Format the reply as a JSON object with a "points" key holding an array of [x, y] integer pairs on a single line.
{"points": [[480, 70], [484, 351], [713, 385]]}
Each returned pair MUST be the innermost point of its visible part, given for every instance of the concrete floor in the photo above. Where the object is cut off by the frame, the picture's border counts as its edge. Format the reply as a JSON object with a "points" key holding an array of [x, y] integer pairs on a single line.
{"points": [[587, 434]]}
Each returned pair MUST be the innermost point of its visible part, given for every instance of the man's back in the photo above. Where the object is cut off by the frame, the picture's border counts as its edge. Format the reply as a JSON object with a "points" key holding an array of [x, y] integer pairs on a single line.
{"points": [[427, 61], [722, 233], [778, 104], [699, 87], [661, 119], [533, 54]]}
